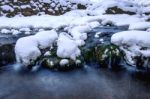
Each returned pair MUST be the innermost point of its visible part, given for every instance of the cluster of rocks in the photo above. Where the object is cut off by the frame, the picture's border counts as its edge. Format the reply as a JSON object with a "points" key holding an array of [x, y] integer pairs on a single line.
{"points": [[12, 8]]}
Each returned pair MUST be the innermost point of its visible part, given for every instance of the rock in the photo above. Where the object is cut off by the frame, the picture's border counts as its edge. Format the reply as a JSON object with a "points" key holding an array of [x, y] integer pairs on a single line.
{"points": [[28, 12], [80, 6], [108, 55], [148, 20], [7, 54], [7, 43], [117, 10], [52, 61], [56, 63]]}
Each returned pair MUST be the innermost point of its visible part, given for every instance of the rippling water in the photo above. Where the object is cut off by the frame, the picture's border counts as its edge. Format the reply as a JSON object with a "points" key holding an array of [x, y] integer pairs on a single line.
{"points": [[86, 83]]}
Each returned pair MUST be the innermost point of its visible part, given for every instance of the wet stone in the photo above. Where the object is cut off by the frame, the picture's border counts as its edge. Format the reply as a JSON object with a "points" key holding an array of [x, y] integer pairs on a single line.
{"points": [[7, 54]]}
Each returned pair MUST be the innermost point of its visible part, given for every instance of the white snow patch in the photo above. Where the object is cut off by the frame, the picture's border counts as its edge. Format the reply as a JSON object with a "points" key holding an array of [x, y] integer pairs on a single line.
{"points": [[139, 26], [27, 49], [7, 8], [67, 47], [5, 31], [46, 38], [64, 62]]}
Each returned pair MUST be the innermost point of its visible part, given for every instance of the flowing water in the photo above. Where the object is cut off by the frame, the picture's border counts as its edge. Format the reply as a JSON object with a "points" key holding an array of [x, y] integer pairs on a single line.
{"points": [[85, 83], [88, 82]]}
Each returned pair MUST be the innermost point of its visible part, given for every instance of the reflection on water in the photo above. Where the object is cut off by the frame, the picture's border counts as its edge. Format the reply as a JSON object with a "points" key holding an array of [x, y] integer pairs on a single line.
{"points": [[86, 83]]}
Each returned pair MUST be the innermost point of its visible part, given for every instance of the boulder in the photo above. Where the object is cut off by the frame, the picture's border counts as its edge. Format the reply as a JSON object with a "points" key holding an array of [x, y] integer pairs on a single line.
{"points": [[117, 10]]}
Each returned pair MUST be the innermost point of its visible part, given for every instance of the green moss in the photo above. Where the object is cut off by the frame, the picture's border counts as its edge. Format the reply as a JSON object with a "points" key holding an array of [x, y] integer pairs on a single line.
{"points": [[108, 55], [52, 61], [105, 55], [88, 54]]}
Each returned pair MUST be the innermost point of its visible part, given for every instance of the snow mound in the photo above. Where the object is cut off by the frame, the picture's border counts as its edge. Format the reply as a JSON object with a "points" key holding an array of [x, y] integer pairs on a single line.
{"points": [[139, 26], [133, 43], [27, 49], [46, 38], [67, 47]]}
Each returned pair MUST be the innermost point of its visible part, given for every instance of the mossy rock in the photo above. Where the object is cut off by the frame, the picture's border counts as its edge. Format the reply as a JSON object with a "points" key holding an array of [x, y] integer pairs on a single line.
{"points": [[148, 20], [105, 55], [108, 56], [52, 61], [117, 10], [80, 6], [142, 62], [147, 13], [88, 54], [28, 12]]}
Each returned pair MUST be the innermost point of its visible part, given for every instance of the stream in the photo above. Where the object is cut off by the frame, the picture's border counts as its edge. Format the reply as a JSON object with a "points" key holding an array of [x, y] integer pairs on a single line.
{"points": [[84, 83], [88, 82]]}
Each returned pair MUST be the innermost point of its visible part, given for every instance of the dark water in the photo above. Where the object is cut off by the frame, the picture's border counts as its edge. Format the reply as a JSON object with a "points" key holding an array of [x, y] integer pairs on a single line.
{"points": [[85, 83]]}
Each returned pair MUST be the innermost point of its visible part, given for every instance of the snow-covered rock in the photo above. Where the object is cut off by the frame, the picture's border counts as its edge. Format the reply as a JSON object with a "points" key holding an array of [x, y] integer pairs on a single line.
{"points": [[46, 38], [133, 43], [67, 47], [64, 62], [5, 31], [27, 49]]}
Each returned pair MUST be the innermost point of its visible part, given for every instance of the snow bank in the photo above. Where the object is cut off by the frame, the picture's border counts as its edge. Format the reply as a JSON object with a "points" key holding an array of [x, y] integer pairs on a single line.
{"points": [[27, 49], [67, 47], [133, 43], [139, 26]]}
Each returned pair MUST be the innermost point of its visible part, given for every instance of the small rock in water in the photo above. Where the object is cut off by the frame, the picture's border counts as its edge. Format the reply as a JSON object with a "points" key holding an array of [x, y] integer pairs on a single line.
{"points": [[15, 32], [97, 34], [6, 31], [64, 62], [101, 40]]}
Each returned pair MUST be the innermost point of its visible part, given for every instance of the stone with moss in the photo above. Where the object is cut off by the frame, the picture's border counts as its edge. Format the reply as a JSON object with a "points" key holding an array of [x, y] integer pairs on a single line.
{"points": [[51, 61], [108, 55]]}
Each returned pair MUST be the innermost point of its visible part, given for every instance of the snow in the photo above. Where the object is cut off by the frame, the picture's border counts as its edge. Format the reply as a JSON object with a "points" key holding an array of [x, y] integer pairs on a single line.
{"points": [[47, 21], [27, 49], [46, 1], [132, 43], [25, 6], [5, 31], [97, 34], [15, 32], [67, 47], [139, 26], [46, 38], [7, 8], [25, 29], [64, 62]]}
